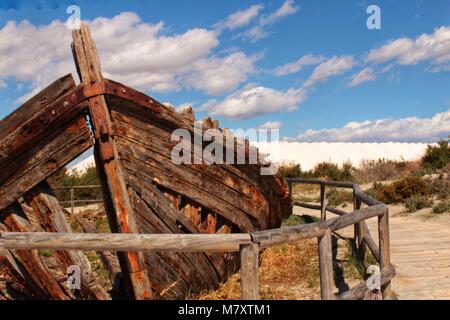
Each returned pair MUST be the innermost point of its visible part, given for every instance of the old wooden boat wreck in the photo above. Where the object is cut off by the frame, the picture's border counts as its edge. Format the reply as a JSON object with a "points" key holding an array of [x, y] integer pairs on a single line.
{"points": [[143, 190]]}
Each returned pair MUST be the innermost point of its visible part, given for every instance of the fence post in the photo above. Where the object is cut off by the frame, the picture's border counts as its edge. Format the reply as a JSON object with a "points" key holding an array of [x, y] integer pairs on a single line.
{"points": [[384, 244], [72, 200], [249, 271], [326, 266], [359, 230], [323, 203]]}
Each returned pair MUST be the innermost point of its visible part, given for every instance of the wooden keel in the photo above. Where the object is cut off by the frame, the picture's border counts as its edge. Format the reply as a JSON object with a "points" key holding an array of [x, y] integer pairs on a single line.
{"points": [[117, 204]]}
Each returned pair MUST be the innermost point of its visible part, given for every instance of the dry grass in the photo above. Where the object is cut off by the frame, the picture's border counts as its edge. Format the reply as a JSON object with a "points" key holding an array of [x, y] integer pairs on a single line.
{"points": [[286, 272]]}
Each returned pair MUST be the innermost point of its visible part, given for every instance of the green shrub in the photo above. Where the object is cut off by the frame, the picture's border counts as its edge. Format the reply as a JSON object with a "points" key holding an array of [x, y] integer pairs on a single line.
{"points": [[62, 178], [331, 171], [437, 157], [442, 206], [401, 190], [376, 170], [294, 220], [337, 197], [417, 202], [290, 170], [383, 169], [440, 187], [327, 170]]}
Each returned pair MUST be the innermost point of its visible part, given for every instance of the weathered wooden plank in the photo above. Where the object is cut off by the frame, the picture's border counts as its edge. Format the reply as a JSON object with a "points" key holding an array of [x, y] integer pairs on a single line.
{"points": [[35, 106], [360, 291], [119, 207], [141, 141], [371, 244], [162, 124], [249, 271], [157, 215], [109, 259], [326, 266], [384, 245], [323, 203], [124, 242], [339, 184], [134, 161], [39, 277], [314, 230], [45, 158], [52, 219], [359, 231]]}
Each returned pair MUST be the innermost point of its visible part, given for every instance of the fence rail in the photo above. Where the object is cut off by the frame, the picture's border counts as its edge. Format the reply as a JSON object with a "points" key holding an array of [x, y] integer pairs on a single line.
{"points": [[249, 245], [72, 202]]}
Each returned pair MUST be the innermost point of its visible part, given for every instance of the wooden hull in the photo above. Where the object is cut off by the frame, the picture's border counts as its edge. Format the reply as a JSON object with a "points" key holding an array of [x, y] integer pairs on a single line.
{"points": [[144, 191], [189, 198]]}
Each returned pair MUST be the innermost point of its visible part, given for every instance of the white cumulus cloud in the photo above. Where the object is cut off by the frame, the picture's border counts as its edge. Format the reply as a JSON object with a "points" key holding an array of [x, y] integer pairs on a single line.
{"points": [[434, 47], [271, 125], [134, 52], [255, 100], [240, 18], [332, 67], [411, 129], [297, 65], [259, 31], [367, 74]]}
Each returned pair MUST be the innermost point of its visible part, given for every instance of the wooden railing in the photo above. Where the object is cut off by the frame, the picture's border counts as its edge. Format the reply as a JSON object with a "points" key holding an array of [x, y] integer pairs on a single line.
{"points": [[72, 199], [249, 244]]}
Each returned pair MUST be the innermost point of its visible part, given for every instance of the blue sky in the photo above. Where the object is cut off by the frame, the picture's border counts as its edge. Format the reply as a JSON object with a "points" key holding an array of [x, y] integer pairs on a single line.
{"points": [[226, 58]]}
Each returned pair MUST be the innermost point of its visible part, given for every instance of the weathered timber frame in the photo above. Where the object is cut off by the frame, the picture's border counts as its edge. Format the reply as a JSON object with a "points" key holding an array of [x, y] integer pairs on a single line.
{"points": [[116, 198], [50, 130], [249, 245]]}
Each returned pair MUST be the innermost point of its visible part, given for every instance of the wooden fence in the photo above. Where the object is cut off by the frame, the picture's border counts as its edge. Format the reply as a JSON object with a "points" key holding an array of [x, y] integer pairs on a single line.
{"points": [[249, 245], [72, 199]]}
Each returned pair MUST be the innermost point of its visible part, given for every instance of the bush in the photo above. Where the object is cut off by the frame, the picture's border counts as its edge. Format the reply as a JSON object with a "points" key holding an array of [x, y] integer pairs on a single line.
{"points": [[327, 170], [63, 179], [323, 170], [400, 190], [417, 202], [290, 170], [382, 170], [331, 171], [440, 187], [337, 197], [295, 220], [441, 207], [376, 170], [437, 157]]}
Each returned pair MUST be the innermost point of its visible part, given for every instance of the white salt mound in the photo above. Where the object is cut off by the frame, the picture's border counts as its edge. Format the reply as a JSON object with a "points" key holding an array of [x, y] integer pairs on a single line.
{"points": [[310, 154]]}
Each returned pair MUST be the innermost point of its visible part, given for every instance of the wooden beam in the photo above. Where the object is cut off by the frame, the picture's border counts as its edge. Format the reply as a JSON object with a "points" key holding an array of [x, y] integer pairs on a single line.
{"points": [[385, 253], [51, 218], [39, 277], [359, 230], [323, 203], [36, 106], [118, 205], [123, 242], [41, 160], [360, 291], [339, 184], [326, 266], [314, 230], [367, 237], [249, 271]]}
